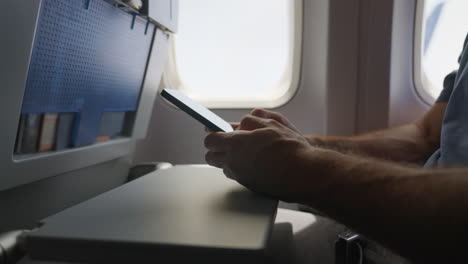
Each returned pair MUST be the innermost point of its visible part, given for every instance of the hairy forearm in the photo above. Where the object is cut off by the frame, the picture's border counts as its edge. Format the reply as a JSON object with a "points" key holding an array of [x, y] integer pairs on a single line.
{"points": [[421, 214], [406, 144]]}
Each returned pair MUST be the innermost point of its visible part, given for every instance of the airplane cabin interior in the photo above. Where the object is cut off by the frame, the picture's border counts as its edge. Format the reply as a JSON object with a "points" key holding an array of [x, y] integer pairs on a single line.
{"points": [[100, 165]]}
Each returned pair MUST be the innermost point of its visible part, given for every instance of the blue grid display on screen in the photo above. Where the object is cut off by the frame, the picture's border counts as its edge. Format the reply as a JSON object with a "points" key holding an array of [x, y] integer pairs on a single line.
{"points": [[88, 57]]}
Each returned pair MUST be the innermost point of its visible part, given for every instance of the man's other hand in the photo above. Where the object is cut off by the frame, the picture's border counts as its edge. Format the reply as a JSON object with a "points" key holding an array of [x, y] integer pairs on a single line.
{"points": [[278, 117], [261, 155], [265, 114]]}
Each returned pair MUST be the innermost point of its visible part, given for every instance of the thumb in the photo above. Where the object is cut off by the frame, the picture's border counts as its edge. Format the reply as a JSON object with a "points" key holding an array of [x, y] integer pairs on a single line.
{"points": [[250, 122]]}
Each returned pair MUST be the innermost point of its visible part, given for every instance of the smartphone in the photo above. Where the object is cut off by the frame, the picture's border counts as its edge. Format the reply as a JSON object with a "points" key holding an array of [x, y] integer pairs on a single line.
{"points": [[197, 111]]}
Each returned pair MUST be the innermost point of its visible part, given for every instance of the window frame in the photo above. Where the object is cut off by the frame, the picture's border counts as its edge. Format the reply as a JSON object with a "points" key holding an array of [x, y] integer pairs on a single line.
{"points": [[171, 76], [421, 82]]}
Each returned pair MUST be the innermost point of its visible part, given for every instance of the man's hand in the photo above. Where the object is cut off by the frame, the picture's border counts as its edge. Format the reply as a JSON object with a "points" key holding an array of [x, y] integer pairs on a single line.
{"points": [[314, 140], [266, 114], [261, 155]]}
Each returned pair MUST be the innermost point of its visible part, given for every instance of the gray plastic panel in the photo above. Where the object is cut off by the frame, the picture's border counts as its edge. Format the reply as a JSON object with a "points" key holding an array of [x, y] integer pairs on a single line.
{"points": [[165, 13], [181, 213], [88, 61], [18, 22], [149, 92]]}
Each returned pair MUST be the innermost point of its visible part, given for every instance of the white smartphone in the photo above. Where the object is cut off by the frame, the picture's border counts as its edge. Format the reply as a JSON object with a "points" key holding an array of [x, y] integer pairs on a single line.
{"points": [[197, 111]]}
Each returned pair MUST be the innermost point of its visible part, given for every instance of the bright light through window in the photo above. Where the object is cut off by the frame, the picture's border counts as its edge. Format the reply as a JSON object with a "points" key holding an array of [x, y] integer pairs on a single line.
{"points": [[235, 53], [445, 25]]}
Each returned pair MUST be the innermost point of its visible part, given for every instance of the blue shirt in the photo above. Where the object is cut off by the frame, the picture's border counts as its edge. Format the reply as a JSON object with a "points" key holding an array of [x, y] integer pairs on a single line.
{"points": [[453, 149]]}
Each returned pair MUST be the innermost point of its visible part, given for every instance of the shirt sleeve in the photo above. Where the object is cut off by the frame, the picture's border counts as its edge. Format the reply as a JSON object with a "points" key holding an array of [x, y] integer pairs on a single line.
{"points": [[449, 82], [465, 46]]}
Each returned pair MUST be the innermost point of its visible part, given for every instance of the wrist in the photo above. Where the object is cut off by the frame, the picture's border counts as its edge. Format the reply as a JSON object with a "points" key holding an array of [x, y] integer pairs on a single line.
{"points": [[320, 170], [315, 141], [336, 143]]}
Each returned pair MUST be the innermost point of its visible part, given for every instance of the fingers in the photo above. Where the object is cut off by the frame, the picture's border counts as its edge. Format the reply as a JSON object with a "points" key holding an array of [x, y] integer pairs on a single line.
{"points": [[224, 142], [216, 159], [250, 122], [275, 116], [254, 121], [228, 173], [269, 115], [235, 126], [218, 141]]}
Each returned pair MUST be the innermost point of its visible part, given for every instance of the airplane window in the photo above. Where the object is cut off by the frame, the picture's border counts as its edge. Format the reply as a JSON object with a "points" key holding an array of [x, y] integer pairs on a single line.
{"points": [[235, 54], [444, 28]]}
